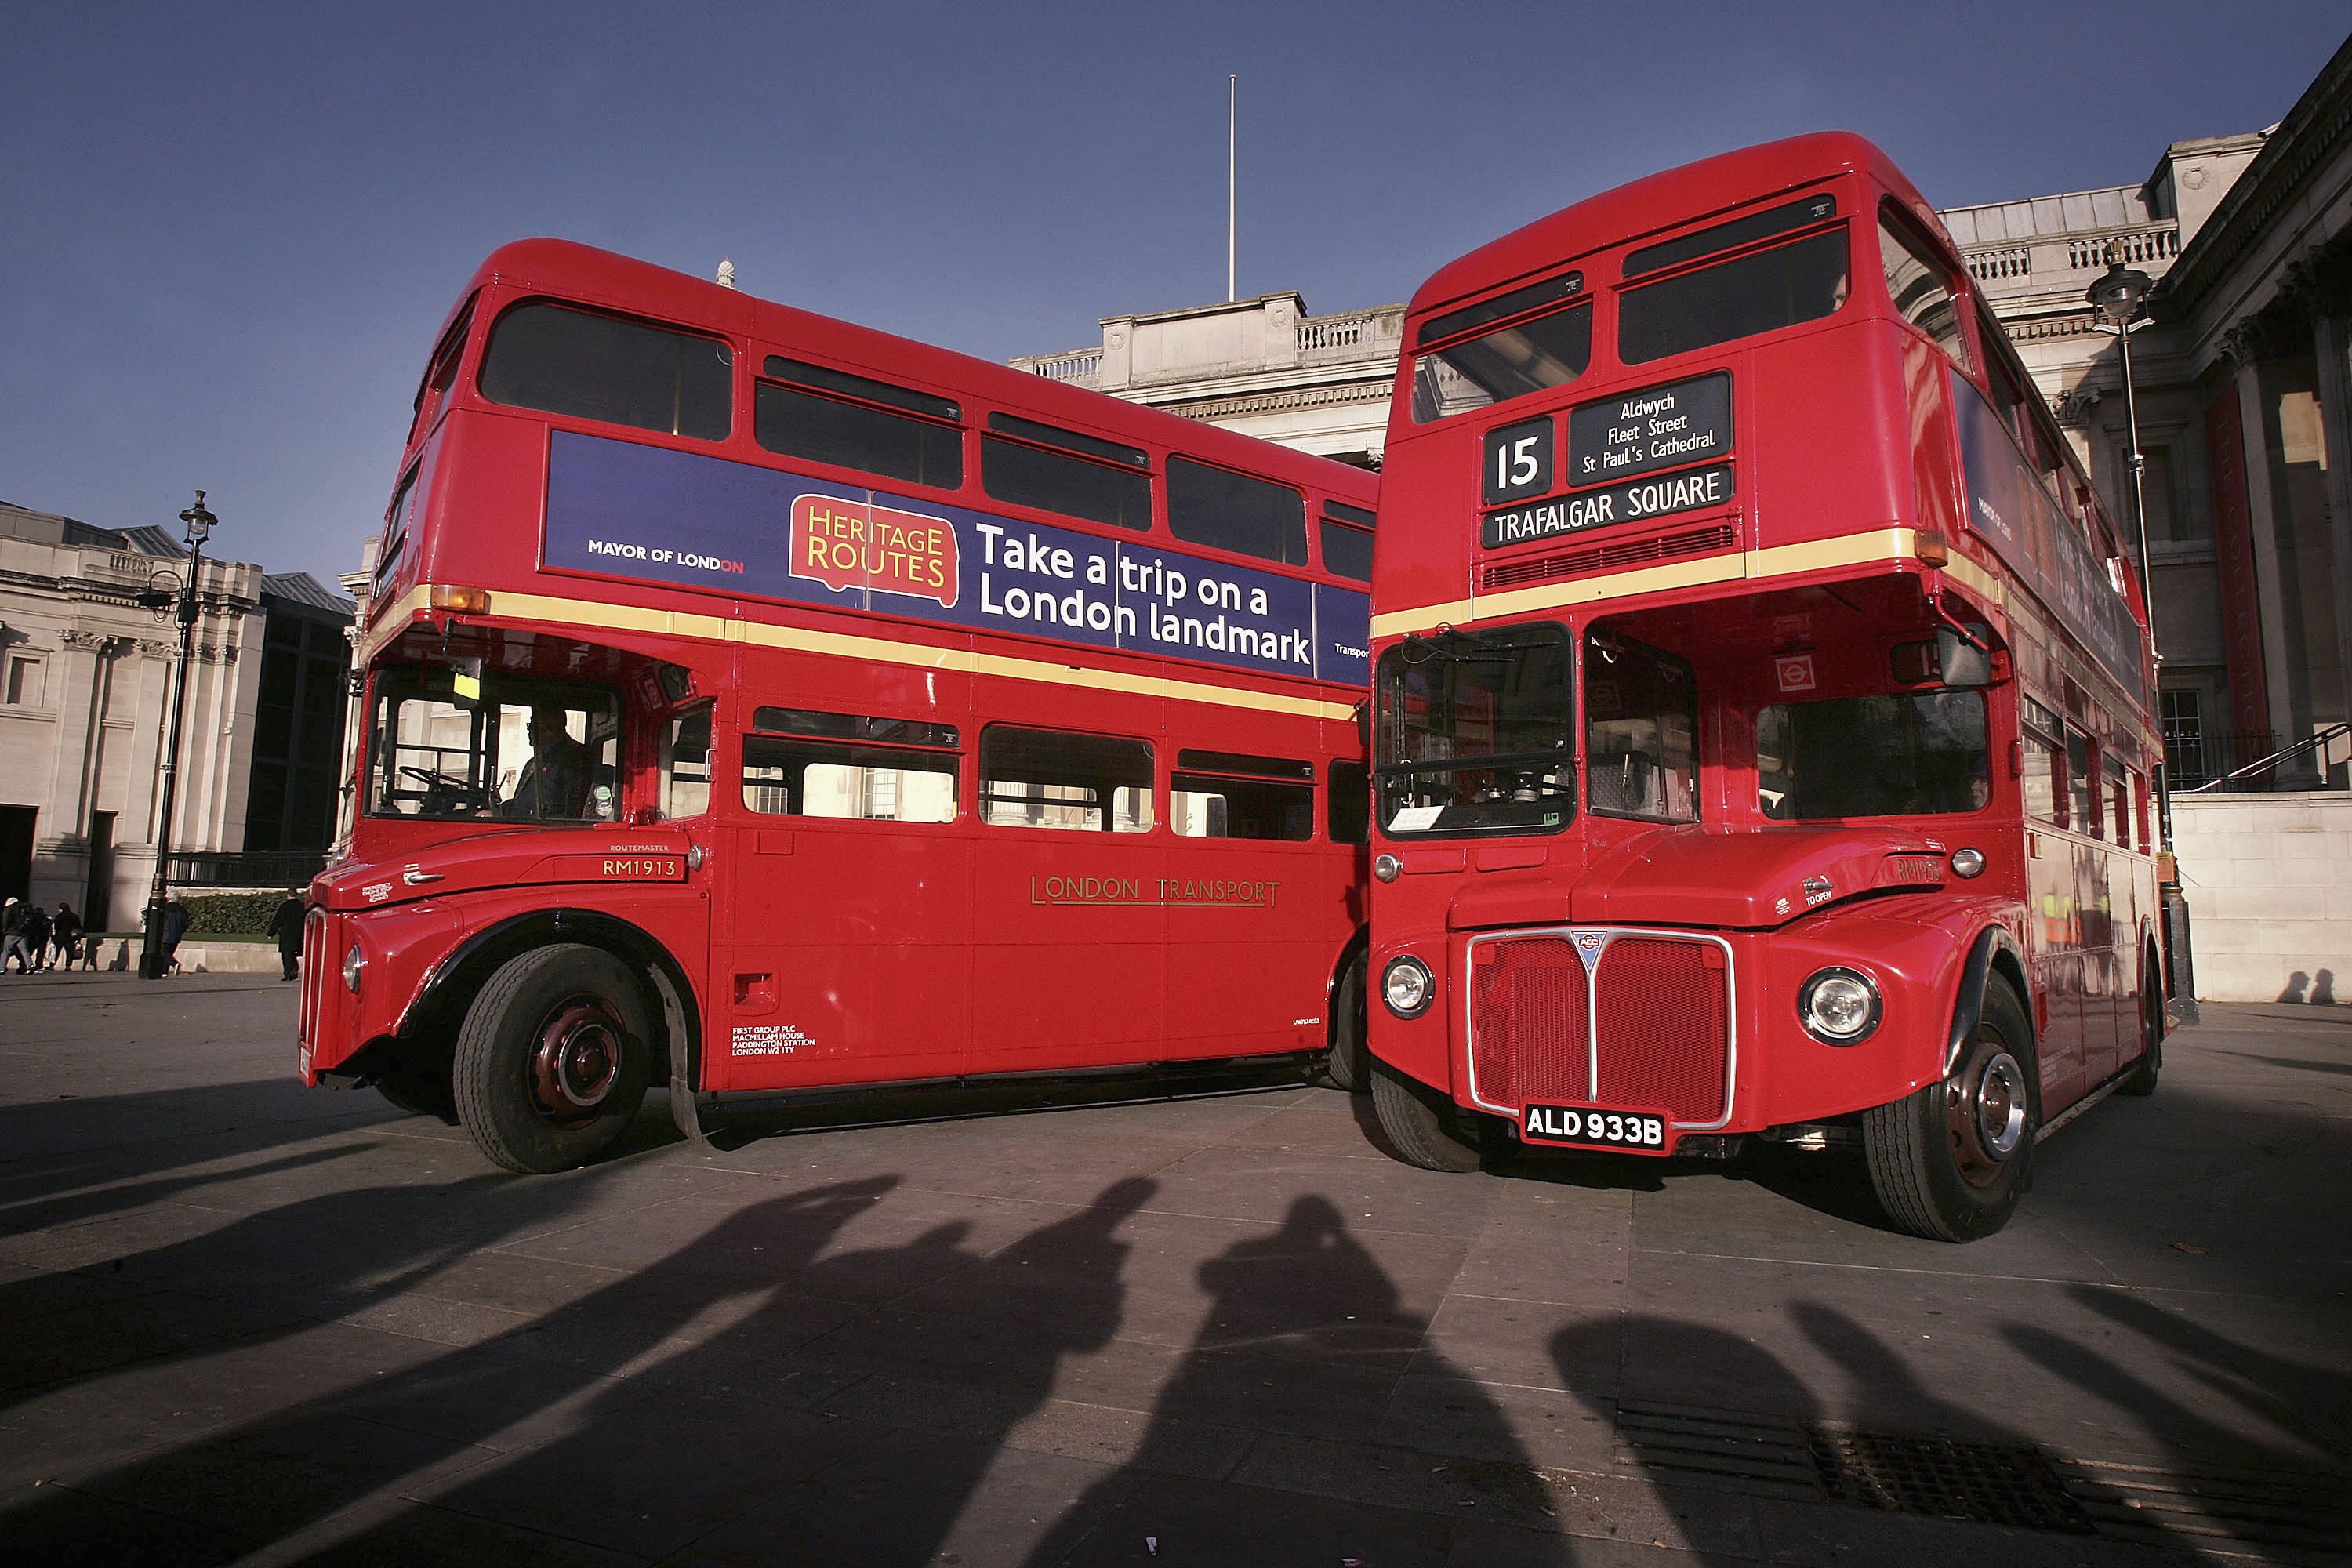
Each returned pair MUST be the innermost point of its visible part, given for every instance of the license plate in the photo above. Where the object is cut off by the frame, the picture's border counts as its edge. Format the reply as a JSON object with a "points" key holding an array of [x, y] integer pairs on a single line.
{"points": [[1596, 1127]]}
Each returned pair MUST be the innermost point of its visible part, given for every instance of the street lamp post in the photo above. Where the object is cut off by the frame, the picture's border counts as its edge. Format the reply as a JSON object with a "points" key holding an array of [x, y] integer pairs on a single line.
{"points": [[2116, 298], [154, 961]]}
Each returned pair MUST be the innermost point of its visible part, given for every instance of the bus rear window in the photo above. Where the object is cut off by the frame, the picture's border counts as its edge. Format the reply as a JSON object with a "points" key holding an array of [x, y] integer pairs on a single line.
{"points": [[1738, 299], [1546, 352], [562, 361]]}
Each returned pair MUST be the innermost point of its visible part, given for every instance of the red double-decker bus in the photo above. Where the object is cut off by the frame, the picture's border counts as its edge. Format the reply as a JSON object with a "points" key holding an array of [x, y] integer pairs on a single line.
{"points": [[1761, 716], [758, 704]]}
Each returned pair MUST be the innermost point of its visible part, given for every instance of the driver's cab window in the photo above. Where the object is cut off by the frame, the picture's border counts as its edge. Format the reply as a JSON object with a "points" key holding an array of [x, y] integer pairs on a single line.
{"points": [[449, 744]]}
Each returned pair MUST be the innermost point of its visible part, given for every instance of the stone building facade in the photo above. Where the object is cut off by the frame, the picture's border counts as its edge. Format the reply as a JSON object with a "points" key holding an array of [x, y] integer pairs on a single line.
{"points": [[85, 676]]}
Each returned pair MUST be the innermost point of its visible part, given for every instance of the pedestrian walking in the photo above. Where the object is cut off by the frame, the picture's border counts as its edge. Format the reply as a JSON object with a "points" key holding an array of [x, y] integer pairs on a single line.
{"points": [[12, 937], [286, 925], [65, 935], [35, 936], [175, 926]]}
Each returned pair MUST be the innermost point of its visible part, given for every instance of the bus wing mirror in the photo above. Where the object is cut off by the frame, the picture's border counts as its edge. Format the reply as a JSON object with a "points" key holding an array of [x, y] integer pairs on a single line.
{"points": [[1364, 727], [1963, 661]]}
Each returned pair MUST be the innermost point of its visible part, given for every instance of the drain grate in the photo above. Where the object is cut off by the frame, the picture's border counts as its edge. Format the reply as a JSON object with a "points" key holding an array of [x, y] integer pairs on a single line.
{"points": [[1941, 1477]]}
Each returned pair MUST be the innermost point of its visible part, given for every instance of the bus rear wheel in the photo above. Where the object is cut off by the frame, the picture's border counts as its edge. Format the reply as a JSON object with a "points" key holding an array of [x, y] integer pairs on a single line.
{"points": [[1350, 1063], [2141, 1079], [552, 1058], [1422, 1123], [1950, 1161]]}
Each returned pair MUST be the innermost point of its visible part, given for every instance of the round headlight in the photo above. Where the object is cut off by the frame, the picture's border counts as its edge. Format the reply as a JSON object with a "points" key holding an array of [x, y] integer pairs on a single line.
{"points": [[1387, 868], [354, 965], [1838, 1006], [1967, 862], [1406, 988]]}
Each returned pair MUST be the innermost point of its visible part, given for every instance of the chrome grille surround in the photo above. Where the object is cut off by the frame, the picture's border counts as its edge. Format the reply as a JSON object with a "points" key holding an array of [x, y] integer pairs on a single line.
{"points": [[1594, 941]]}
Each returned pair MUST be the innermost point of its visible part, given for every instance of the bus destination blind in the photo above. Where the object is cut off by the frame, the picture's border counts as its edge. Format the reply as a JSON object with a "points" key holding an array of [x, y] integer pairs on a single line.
{"points": [[618, 510], [1609, 442]]}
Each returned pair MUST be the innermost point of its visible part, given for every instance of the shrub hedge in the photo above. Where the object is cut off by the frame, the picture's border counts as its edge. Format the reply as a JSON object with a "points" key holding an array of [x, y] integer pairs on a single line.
{"points": [[230, 914]]}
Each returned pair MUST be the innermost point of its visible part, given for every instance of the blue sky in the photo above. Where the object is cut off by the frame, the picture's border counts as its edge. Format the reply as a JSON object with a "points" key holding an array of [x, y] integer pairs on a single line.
{"points": [[229, 232]]}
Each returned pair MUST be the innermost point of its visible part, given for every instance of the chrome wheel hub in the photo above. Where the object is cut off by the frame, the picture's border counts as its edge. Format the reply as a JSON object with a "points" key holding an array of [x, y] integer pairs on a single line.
{"points": [[576, 1061]]}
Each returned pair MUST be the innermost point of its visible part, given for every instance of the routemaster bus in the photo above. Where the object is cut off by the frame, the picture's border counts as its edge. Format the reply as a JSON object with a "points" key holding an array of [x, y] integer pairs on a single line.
{"points": [[1760, 702], [758, 704]]}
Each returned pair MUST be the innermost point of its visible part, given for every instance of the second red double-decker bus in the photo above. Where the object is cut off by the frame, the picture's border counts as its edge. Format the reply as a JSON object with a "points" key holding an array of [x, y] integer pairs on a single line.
{"points": [[1761, 731], [758, 704]]}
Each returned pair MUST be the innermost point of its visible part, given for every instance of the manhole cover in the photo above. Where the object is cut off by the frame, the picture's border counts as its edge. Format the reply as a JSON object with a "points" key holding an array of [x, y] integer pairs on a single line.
{"points": [[1941, 1477]]}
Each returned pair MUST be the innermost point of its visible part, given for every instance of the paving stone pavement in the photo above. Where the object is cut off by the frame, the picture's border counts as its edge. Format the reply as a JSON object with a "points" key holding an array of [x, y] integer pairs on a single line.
{"points": [[243, 1320]]}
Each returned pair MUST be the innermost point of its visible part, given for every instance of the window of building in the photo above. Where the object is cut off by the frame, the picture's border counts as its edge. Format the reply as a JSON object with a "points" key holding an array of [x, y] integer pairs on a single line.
{"points": [[25, 684], [813, 417], [1087, 477], [1243, 798], [1922, 290], [1227, 511], [2183, 713], [1057, 779], [1801, 282], [1348, 817], [560, 359]]}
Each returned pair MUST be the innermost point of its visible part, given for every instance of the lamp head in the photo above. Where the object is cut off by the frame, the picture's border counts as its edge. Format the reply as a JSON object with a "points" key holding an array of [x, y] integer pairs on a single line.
{"points": [[2119, 291], [199, 521]]}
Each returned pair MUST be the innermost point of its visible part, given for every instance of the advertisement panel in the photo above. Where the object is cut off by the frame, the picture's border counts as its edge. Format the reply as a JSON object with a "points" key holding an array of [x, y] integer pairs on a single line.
{"points": [[647, 514]]}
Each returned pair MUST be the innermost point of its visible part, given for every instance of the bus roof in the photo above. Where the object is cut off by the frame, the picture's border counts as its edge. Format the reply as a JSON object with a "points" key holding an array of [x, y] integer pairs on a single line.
{"points": [[571, 271], [1673, 198]]}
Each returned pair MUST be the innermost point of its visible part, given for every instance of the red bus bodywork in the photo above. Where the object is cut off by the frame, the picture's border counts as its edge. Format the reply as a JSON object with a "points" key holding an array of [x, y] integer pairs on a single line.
{"points": [[775, 950], [1829, 507]]}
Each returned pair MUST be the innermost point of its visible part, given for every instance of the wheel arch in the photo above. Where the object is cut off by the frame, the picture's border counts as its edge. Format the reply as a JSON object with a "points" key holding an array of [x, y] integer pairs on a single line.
{"points": [[1996, 953], [1356, 948], [431, 1017]]}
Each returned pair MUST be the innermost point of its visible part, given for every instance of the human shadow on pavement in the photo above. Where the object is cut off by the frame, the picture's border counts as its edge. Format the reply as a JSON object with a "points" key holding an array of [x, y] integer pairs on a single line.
{"points": [[1266, 1444], [256, 1483]]}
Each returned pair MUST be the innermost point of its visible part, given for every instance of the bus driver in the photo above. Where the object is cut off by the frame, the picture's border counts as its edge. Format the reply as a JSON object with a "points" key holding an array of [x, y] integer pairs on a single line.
{"points": [[554, 782]]}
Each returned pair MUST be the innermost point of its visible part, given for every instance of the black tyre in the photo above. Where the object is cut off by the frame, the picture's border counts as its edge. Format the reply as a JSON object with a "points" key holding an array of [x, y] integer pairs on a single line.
{"points": [[1422, 1123], [2141, 1079], [1950, 1161], [553, 1057], [1350, 1063]]}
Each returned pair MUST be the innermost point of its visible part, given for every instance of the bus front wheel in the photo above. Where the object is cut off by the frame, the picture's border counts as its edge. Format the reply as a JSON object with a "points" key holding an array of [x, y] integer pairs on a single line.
{"points": [[552, 1058], [1950, 1161], [1422, 1123], [2141, 1079], [1350, 1066]]}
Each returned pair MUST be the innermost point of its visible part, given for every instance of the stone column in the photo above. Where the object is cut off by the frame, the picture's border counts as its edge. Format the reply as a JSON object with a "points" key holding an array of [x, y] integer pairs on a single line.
{"points": [[2246, 346], [2326, 283]]}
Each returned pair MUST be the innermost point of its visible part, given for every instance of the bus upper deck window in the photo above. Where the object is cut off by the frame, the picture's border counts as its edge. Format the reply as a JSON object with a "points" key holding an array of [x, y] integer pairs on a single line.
{"points": [[560, 359], [1800, 281], [1922, 290], [1543, 351], [1227, 511]]}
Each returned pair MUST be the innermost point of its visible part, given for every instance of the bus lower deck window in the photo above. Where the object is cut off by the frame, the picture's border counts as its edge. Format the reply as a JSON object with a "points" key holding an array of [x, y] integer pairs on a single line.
{"points": [[1057, 779], [1201, 805], [865, 783]]}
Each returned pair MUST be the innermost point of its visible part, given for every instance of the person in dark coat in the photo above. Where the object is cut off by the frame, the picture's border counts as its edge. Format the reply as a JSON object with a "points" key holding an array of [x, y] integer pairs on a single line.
{"points": [[65, 935], [175, 926], [12, 937], [36, 938], [286, 925]]}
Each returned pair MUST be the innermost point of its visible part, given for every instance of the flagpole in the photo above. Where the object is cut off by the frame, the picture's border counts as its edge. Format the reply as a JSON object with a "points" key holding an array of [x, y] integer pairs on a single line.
{"points": [[1233, 103]]}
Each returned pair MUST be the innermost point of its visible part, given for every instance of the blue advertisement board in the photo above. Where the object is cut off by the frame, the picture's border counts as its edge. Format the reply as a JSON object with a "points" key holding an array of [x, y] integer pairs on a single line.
{"points": [[647, 514], [2010, 508]]}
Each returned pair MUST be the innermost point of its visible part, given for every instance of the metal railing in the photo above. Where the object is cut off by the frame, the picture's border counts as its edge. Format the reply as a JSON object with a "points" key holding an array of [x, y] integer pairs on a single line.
{"points": [[2253, 760], [245, 869]]}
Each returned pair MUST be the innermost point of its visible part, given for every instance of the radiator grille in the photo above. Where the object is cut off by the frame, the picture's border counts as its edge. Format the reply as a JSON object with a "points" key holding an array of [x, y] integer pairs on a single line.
{"points": [[1659, 1005], [1530, 1026], [1662, 1026], [1610, 557]]}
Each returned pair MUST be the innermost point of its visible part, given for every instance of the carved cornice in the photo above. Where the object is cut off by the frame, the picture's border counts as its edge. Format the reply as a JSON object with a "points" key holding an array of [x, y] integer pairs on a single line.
{"points": [[2074, 405], [149, 648]]}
